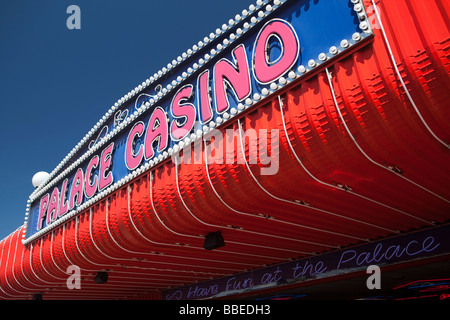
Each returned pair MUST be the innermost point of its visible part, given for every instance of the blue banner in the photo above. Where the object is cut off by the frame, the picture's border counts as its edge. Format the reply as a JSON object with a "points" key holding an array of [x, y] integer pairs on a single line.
{"points": [[394, 250]]}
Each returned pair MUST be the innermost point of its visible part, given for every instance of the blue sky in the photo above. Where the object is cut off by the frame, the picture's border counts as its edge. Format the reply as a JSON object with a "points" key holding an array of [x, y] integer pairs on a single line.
{"points": [[56, 83]]}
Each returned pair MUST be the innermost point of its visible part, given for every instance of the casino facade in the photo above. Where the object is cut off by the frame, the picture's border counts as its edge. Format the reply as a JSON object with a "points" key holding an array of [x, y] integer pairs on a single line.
{"points": [[299, 151]]}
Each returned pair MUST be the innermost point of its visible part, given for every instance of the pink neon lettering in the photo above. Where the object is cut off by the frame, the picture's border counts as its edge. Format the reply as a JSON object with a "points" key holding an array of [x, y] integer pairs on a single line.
{"points": [[106, 179], [89, 188], [76, 191], [63, 206], [133, 160], [182, 110], [42, 210], [52, 210], [157, 130], [204, 103], [236, 77], [264, 71]]}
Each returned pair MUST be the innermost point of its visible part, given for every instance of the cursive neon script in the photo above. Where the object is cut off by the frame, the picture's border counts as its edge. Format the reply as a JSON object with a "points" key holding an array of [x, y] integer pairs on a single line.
{"points": [[325, 265], [380, 253]]}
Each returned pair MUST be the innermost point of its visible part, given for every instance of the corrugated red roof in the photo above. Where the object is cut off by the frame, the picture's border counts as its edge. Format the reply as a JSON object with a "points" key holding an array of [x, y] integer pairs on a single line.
{"points": [[359, 160]]}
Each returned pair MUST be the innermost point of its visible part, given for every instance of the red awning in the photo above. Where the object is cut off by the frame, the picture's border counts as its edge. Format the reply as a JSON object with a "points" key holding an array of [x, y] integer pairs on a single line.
{"points": [[357, 161]]}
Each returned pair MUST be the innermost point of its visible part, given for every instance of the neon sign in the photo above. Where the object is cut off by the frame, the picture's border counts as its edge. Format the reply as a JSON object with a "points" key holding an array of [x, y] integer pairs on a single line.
{"points": [[404, 248], [83, 185], [252, 57]]}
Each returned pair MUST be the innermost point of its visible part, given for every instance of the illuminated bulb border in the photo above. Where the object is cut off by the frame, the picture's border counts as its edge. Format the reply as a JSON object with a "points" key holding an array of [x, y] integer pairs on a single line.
{"points": [[189, 72]]}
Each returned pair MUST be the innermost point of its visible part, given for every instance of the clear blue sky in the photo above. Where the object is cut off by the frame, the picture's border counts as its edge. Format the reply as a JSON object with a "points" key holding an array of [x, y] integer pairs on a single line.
{"points": [[56, 83]]}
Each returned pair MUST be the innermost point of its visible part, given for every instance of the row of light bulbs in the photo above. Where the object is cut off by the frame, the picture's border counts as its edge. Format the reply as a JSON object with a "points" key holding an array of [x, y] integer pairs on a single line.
{"points": [[47, 185], [164, 70], [273, 87]]}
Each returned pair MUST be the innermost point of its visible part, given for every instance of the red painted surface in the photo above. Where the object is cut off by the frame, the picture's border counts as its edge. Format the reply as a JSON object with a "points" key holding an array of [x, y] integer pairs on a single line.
{"points": [[381, 173]]}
